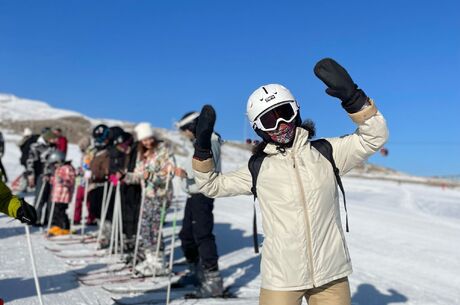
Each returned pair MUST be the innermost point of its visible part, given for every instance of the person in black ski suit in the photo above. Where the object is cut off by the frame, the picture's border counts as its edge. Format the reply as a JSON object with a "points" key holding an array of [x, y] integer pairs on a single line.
{"points": [[198, 241], [38, 172], [131, 199]]}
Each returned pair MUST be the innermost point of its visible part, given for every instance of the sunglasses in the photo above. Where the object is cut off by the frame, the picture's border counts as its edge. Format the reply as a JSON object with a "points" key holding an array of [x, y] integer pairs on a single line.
{"points": [[269, 120]]}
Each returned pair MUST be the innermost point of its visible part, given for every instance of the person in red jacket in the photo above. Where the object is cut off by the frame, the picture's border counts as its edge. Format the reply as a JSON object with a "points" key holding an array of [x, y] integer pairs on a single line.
{"points": [[61, 141]]}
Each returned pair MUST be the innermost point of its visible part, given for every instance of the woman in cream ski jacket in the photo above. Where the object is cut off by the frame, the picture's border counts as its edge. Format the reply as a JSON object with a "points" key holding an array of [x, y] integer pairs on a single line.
{"points": [[304, 253]]}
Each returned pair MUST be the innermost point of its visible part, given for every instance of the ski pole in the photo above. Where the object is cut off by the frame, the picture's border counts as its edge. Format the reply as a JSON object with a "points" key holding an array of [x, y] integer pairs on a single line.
{"points": [[104, 213], [116, 218], [162, 220], [50, 217], [139, 224], [171, 255], [39, 198], [120, 215], [74, 204], [113, 234], [84, 208], [45, 206], [104, 196], [40, 194], [34, 268]]}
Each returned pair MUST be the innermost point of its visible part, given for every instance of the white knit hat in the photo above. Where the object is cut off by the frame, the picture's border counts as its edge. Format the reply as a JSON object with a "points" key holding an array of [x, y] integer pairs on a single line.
{"points": [[144, 131], [27, 132]]}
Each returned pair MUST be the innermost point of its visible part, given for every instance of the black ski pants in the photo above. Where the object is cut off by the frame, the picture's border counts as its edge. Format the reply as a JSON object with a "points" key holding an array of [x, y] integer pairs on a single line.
{"points": [[95, 197], [60, 217], [198, 242], [130, 205], [40, 203]]}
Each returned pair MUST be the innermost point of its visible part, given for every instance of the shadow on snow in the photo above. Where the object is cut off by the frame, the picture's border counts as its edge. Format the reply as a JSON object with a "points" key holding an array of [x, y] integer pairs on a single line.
{"points": [[367, 294]]}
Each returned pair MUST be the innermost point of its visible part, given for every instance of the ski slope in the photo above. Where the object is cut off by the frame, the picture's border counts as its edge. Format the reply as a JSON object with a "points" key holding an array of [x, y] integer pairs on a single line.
{"points": [[404, 244]]}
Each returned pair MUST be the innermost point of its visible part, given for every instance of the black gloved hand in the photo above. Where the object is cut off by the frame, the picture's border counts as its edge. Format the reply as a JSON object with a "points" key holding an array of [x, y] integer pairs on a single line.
{"points": [[26, 213], [204, 130], [340, 84]]}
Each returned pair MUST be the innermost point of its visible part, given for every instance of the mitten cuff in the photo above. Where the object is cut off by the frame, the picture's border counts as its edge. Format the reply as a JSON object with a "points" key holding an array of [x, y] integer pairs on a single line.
{"points": [[203, 166], [356, 102], [365, 114]]}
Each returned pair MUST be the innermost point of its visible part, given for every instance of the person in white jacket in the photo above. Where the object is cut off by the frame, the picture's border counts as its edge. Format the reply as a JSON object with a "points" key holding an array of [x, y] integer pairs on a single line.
{"points": [[304, 253]]}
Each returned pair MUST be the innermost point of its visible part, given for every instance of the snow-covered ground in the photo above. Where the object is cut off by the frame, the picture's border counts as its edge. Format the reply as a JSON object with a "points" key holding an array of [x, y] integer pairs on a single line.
{"points": [[404, 244]]}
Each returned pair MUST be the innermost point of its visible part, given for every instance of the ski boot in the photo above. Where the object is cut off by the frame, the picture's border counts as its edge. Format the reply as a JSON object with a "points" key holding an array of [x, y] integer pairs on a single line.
{"points": [[104, 242], [62, 232], [189, 278], [211, 285], [152, 265], [53, 230]]}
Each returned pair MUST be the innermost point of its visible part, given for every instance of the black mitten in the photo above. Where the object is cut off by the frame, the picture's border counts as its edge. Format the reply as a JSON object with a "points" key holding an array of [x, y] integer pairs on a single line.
{"points": [[26, 213], [340, 84], [204, 130]]}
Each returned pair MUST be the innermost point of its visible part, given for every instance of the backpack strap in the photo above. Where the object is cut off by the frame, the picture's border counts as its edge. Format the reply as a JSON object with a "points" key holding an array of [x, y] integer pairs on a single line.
{"points": [[254, 165], [325, 149]]}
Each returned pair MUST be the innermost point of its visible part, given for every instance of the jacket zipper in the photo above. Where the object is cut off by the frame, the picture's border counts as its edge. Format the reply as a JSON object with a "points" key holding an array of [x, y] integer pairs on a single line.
{"points": [[307, 220]]}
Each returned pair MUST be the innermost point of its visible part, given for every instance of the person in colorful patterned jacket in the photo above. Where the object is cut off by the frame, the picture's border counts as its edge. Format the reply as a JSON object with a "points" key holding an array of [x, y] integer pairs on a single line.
{"points": [[62, 183], [155, 165]]}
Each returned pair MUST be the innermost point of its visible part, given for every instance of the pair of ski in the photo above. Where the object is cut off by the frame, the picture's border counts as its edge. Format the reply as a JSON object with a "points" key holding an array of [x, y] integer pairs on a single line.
{"points": [[119, 273], [184, 294]]}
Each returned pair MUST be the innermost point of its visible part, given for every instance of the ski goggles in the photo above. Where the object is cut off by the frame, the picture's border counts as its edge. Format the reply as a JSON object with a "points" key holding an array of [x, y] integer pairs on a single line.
{"points": [[270, 119]]}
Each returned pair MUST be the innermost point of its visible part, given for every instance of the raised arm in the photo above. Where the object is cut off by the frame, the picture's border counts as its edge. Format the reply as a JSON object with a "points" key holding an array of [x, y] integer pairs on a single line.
{"points": [[210, 183], [372, 133]]}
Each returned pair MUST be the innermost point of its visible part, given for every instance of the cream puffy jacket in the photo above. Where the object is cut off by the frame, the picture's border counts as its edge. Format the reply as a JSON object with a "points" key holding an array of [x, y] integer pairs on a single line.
{"points": [[304, 243]]}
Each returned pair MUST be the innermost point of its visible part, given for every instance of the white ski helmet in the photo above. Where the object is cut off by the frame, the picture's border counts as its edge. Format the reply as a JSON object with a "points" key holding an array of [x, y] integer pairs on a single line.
{"points": [[265, 99]]}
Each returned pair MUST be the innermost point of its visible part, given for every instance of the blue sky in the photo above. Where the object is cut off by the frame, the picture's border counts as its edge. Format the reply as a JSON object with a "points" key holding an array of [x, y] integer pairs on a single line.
{"points": [[155, 60]]}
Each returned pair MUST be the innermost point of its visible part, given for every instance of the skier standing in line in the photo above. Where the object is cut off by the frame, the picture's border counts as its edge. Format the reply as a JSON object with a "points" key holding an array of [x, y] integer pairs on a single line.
{"points": [[61, 141], [62, 186], [38, 172], [130, 198], [99, 172], [304, 253], [155, 165], [198, 241]]}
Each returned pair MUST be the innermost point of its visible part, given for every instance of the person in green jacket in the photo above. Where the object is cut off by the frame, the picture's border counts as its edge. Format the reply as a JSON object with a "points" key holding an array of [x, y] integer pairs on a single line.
{"points": [[15, 206]]}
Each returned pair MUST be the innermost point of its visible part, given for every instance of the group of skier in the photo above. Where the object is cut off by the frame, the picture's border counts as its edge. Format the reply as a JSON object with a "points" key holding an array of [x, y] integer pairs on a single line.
{"points": [[304, 253], [143, 165]]}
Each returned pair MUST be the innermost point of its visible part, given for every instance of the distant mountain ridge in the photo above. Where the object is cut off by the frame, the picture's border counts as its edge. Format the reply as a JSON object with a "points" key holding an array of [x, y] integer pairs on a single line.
{"points": [[17, 113]]}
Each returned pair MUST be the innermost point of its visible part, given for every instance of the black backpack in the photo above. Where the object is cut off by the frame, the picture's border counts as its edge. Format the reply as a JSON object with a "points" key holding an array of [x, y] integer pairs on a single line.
{"points": [[255, 162]]}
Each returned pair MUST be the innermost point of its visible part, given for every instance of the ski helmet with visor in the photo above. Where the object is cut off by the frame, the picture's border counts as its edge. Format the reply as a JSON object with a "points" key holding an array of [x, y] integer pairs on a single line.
{"points": [[270, 105]]}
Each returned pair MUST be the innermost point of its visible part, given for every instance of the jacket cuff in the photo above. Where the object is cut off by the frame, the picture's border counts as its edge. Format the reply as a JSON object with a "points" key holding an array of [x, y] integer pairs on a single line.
{"points": [[365, 114], [203, 166], [13, 207]]}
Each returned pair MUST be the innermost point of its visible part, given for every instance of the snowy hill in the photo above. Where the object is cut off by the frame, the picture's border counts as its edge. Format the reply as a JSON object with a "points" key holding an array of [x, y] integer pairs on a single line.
{"points": [[17, 113], [19, 109], [404, 242]]}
